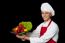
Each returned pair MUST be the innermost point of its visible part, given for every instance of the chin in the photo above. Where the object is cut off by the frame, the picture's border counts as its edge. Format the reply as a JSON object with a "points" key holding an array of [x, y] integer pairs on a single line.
{"points": [[45, 19]]}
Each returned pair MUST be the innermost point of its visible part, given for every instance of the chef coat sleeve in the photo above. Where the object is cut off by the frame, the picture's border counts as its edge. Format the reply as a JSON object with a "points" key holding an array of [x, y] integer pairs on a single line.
{"points": [[51, 31]]}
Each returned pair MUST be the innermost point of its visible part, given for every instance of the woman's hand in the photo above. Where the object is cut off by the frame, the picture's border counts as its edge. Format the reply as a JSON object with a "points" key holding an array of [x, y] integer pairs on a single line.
{"points": [[26, 37], [23, 37]]}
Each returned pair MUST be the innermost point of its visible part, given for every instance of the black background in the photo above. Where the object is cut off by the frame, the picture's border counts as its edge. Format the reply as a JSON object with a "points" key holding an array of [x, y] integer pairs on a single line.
{"points": [[14, 12]]}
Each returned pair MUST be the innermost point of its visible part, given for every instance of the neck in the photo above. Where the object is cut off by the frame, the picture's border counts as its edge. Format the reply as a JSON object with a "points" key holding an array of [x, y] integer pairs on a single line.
{"points": [[47, 20]]}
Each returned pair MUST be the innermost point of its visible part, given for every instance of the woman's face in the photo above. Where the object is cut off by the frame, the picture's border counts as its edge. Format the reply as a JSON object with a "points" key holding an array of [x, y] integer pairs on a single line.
{"points": [[46, 15]]}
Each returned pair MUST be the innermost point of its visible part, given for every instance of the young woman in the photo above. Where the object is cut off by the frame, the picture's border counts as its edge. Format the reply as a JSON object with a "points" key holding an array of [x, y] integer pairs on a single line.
{"points": [[47, 31]]}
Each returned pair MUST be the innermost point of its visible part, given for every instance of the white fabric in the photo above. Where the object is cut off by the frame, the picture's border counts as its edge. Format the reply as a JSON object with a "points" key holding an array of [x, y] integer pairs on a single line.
{"points": [[47, 7], [52, 32]]}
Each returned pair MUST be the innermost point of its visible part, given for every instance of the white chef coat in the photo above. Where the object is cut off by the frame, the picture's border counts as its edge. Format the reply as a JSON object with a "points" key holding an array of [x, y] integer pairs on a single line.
{"points": [[51, 32]]}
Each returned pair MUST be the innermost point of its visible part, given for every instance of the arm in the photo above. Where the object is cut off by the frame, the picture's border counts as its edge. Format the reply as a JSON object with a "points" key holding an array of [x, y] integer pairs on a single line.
{"points": [[51, 31]]}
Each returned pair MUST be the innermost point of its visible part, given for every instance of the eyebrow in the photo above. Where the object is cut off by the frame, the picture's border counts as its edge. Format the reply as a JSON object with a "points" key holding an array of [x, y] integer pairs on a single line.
{"points": [[45, 12]]}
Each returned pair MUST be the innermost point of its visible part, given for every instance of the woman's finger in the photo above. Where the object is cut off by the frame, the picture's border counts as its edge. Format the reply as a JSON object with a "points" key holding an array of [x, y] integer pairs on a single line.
{"points": [[20, 36]]}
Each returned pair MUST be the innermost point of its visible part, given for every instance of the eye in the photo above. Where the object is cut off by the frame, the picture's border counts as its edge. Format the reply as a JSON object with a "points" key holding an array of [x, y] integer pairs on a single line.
{"points": [[45, 12]]}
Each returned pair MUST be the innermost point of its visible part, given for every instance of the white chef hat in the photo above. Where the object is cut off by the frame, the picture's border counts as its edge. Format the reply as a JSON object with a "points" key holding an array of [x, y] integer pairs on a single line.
{"points": [[47, 7]]}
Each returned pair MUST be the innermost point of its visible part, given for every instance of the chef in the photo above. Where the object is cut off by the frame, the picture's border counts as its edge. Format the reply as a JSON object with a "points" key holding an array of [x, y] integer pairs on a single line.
{"points": [[47, 31]]}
